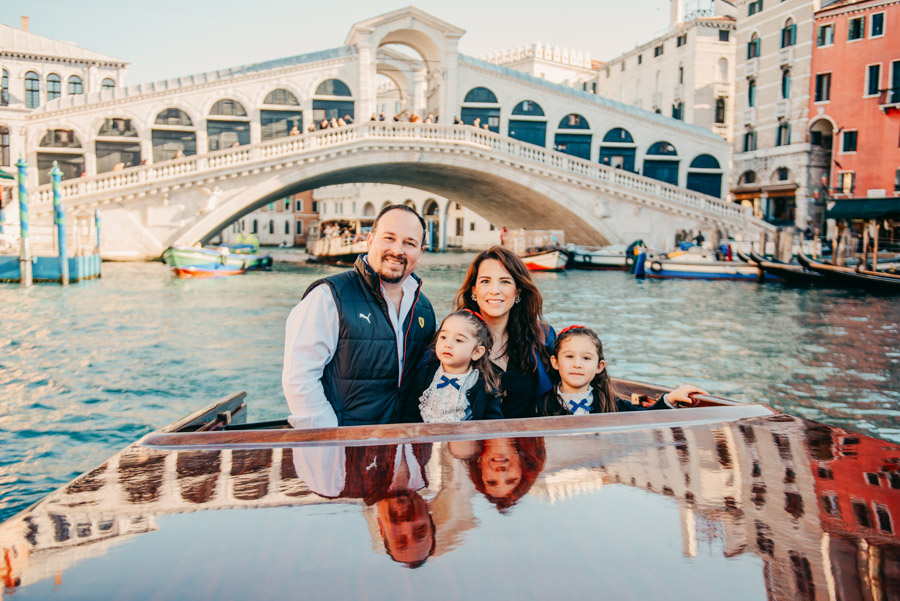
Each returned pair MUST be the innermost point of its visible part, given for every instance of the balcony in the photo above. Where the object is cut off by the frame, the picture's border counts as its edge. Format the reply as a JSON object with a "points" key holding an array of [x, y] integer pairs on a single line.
{"points": [[783, 108], [751, 68], [786, 57], [889, 99], [750, 116]]}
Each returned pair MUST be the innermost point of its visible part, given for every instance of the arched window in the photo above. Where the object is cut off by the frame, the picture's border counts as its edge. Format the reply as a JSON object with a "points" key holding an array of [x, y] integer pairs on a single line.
{"points": [[751, 92], [173, 135], [664, 164], [333, 87], [786, 83], [116, 145], [4, 88], [720, 110], [788, 33], [705, 175], [747, 178], [54, 87], [618, 149], [481, 95], [330, 108], [575, 144], [753, 46], [75, 86], [368, 210], [4, 145], [64, 148], [481, 114], [107, 84], [32, 90], [280, 122], [530, 126], [230, 128]]}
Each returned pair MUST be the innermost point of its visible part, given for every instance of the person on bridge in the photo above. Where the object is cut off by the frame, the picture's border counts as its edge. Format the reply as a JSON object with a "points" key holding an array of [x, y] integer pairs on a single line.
{"points": [[352, 343]]}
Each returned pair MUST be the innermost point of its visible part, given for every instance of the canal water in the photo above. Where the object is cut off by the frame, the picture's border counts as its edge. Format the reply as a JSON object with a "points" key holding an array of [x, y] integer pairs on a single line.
{"points": [[88, 369]]}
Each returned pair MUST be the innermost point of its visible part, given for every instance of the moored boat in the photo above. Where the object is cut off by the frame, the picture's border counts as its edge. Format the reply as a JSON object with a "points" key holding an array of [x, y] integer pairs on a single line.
{"points": [[550, 260], [207, 270], [185, 256], [540, 250], [698, 263], [853, 278], [597, 258], [787, 271]]}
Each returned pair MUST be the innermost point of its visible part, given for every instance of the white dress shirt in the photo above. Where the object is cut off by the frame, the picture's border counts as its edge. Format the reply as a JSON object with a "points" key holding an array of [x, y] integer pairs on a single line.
{"points": [[310, 341]]}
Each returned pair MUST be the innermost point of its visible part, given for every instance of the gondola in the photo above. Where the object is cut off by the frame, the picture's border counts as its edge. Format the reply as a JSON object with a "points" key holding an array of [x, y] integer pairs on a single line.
{"points": [[855, 278], [794, 274]]}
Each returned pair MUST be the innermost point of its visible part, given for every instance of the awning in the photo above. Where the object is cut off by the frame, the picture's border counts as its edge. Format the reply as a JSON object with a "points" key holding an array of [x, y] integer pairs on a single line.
{"points": [[864, 208], [5, 175]]}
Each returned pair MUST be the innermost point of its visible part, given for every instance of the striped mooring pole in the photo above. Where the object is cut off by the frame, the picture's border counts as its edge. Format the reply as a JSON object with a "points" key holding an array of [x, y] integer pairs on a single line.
{"points": [[59, 218], [97, 229], [25, 264]]}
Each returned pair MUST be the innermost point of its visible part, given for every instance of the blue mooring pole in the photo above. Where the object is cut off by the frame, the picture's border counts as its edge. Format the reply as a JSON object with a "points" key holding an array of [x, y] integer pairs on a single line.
{"points": [[59, 218], [24, 250], [97, 227]]}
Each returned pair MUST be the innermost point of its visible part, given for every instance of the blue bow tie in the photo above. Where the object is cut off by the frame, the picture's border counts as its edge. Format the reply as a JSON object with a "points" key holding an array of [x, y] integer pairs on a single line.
{"points": [[582, 404], [445, 381]]}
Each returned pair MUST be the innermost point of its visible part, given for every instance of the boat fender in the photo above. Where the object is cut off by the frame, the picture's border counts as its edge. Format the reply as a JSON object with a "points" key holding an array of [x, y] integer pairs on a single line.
{"points": [[655, 266], [629, 261]]}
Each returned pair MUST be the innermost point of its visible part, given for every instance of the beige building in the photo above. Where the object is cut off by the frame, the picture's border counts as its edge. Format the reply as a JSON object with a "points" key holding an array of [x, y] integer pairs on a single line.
{"points": [[558, 65], [770, 153]]}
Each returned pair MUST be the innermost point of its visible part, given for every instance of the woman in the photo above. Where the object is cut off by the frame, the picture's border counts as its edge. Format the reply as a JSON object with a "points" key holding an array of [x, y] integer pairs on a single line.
{"points": [[499, 287], [504, 469]]}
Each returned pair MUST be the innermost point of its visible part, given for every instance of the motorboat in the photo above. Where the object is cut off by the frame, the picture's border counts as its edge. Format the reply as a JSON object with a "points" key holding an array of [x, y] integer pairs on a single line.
{"points": [[207, 270], [338, 241], [696, 263], [546, 260], [540, 250], [722, 500], [187, 256], [610, 257]]}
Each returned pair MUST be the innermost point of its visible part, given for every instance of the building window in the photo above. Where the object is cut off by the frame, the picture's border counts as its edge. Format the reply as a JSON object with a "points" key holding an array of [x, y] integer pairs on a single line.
{"points": [[724, 35], [75, 86], [720, 110], [789, 34], [876, 29], [4, 88], [680, 74], [108, 84], [678, 111], [857, 29], [681, 40], [751, 92], [299, 206], [271, 226], [897, 189], [299, 228], [287, 204], [315, 206], [873, 80], [786, 83], [753, 46], [861, 513], [287, 227], [472, 226], [783, 134], [825, 35], [823, 87], [4, 145], [622, 66], [783, 174], [54, 87], [846, 182], [640, 59], [658, 50], [255, 229], [848, 141], [754, 7], [750, 141], [32, 90]]}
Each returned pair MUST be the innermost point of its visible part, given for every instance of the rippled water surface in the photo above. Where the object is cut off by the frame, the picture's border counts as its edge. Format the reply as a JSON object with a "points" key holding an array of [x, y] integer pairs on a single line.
{"points": [[86, 370]]}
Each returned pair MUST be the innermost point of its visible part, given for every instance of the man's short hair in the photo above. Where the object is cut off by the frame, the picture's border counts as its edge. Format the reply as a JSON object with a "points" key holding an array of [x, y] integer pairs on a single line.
{"points": [[406, 208]]}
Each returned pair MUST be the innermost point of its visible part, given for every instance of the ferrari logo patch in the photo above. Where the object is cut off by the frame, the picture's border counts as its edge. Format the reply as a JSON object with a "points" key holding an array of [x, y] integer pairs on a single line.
{"points": [[421, 322]]}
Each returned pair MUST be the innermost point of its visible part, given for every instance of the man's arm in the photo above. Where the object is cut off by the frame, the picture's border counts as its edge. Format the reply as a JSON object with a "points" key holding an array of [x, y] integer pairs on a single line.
{"points": [[310, 339]]}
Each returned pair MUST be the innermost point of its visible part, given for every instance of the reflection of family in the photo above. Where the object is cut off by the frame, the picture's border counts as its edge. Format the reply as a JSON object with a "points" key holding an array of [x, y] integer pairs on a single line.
{"points": [[361, 348]]}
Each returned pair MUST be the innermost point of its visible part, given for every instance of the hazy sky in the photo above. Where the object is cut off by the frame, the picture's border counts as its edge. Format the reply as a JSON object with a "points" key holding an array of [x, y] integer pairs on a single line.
{"points": [[168, 38]]}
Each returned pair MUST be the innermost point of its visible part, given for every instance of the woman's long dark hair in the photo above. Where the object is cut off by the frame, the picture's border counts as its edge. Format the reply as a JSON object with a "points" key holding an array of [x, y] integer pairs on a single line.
{"points": [[601, 384], [484, 338], [526, 328]]}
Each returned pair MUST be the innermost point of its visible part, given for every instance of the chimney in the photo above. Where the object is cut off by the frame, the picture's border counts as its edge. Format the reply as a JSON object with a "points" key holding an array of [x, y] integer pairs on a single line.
{"points": [[24, 23]]}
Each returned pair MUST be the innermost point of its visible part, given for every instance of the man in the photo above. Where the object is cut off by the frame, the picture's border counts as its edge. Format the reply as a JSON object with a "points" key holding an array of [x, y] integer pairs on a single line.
{"points": [[354, 339]]}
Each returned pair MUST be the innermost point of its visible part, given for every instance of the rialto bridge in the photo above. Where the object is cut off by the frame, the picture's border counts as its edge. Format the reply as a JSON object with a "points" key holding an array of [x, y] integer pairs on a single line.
{"points": [[174, 162]]}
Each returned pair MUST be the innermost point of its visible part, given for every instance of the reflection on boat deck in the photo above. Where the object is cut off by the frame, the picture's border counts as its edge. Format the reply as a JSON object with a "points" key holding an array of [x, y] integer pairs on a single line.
{"points": [[814, 505]]}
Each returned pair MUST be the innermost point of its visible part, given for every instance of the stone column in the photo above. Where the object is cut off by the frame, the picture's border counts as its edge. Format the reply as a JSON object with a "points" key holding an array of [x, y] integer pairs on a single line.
{"points": [[419, 89], [367, 94], [450, 67]]}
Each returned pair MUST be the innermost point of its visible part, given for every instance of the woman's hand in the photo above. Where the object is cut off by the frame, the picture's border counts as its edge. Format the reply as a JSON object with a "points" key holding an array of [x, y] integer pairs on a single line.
{"points": [[683, 395]]}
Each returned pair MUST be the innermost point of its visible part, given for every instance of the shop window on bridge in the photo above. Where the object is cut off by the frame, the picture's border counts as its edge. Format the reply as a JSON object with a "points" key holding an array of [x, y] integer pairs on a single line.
{"points": [[32, 90], [705, 175], [575, 144], [280, 122], [66, 150], [230, 128], [4, 145], [54, 87], [173, 135], [530, 126], [328, 103], [107, 84], [75, 86], [4, 88], [113, 149], [483, 112], [664, 164], [618, 149]]}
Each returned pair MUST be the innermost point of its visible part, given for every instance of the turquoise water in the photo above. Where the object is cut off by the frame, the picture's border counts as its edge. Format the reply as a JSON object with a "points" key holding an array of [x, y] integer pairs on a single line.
{"points": [[88, 369]]}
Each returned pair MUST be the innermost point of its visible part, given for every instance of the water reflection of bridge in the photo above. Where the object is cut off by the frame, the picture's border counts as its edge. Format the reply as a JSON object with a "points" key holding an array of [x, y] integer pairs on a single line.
{"points": [[815, 505]]}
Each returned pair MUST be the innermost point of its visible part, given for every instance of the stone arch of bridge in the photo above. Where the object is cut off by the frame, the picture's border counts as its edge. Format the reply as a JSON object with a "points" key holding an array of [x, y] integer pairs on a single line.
{"points": [[504, 196]]}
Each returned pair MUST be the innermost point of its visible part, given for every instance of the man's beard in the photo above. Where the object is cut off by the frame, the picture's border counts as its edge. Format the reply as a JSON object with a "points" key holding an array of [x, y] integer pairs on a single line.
{"points": [[392, 279]]}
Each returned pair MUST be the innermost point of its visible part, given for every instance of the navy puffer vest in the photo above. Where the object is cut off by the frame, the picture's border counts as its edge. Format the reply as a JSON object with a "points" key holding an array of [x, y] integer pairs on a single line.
{"points": [[360, 381]]}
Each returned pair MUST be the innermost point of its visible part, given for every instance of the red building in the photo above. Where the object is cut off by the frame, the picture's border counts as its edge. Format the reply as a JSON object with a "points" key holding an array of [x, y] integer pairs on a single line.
{"points": [[855, 99]]}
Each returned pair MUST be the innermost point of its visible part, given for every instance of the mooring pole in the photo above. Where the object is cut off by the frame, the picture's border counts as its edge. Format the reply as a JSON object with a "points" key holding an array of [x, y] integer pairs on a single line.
{"points": [[59, 218], [97, 228], [24, 249]]}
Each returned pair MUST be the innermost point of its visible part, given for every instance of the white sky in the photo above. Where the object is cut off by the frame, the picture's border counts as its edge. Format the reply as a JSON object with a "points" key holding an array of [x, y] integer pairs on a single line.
{"points": [[168, 38]]}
